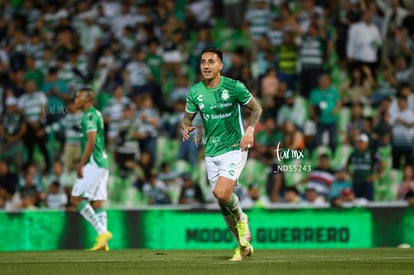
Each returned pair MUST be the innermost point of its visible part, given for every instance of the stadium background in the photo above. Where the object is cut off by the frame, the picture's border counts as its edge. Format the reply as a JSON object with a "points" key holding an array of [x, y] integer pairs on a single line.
{"points": [[69, 30]]}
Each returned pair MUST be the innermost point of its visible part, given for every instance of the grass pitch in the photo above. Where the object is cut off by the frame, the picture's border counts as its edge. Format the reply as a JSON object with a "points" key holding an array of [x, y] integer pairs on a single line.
{"points": [[197, 262]]}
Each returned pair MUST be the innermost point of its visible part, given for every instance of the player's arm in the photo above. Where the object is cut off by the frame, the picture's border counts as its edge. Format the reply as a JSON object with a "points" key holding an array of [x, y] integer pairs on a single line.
{"points": [[187, 124], [256, 113], [89, 146]]}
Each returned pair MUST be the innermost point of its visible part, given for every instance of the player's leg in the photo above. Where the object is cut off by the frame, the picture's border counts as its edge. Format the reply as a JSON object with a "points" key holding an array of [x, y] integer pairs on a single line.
{"points": [[230, 202], [231, 165], [98, 199], [87, 212], [212, 174], [84, 188]]}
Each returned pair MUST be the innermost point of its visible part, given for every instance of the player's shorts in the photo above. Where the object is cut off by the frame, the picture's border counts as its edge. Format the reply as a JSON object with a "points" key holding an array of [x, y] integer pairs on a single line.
{"points": [[229, 165], [93, 184]]}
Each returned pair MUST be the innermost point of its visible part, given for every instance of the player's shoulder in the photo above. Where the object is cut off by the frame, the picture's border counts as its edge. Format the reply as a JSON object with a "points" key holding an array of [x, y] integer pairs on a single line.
{"points": [[232, 84], [197, 88]]}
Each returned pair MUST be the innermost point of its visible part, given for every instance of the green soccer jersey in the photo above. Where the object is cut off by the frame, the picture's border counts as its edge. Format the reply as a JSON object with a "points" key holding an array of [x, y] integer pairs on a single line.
{"points": [[363, 165], [92, 121], [220, 110]]}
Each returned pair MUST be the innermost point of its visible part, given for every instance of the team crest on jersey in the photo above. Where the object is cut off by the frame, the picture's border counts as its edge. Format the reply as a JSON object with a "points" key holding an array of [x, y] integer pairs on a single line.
{"points": [[225, 95]]}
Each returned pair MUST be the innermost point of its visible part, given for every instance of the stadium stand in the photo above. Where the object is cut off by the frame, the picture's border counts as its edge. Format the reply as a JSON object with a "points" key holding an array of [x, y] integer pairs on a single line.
{"points": [[105, 43]]}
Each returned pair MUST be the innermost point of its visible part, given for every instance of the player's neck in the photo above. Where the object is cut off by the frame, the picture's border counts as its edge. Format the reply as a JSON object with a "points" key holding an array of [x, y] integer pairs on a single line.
{"points": [[212, 83]]}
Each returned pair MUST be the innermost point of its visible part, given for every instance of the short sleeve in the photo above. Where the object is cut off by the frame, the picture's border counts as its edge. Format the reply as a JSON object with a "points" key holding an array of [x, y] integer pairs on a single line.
{"points": [[313, 98], [43, 98], [91, 123], [242, 93], [190, 106]]}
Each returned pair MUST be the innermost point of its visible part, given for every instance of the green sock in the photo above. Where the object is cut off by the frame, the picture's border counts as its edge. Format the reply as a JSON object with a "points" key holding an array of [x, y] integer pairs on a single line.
{"points": [[230, 222], [86, 210], [101, 213], [234, 208]]}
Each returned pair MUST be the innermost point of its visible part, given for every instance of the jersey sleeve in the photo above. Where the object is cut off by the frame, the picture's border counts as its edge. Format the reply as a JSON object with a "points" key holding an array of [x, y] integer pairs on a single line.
{"points": [[190, 106], [91, 123], [242, 94]]}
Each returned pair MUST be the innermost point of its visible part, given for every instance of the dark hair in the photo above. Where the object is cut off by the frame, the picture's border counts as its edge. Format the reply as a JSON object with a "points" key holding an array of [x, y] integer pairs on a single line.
{"points": [[213, 50], [88, 90], [353, 82]]}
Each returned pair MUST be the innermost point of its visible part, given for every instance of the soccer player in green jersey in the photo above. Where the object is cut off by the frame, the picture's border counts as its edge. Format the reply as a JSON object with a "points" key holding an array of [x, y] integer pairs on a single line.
{"points": [[92, 171], [219, 100]]}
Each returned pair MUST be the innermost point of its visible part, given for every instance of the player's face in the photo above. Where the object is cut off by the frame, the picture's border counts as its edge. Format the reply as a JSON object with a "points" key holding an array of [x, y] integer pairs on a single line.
{"points": [[210, 66], [80, 99]]}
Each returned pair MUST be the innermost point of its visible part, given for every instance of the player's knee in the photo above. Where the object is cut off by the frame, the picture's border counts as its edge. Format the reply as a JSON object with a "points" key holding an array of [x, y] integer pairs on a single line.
{"points": [[222, 195]]}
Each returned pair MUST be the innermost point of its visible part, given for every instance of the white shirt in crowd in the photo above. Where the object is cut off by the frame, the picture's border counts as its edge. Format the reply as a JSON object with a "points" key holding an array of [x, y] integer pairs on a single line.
{"points": [[363, 42]]}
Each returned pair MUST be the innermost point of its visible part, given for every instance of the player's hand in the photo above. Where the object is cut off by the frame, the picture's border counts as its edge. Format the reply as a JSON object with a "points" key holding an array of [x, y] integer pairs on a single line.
{"points": [[186, 132], [80, 171], [247, 140]]}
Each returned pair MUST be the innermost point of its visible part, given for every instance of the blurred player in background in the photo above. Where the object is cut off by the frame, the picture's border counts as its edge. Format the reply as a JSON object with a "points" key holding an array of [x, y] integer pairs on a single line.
{"points": [[92, 171], [219, 100]]}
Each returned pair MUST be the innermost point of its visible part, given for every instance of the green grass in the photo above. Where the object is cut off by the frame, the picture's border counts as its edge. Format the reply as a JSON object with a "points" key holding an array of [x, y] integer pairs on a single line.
{"points": [[197, 262]]}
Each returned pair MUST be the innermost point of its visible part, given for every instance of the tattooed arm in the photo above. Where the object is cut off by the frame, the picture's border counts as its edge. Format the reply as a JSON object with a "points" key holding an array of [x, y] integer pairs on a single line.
{"points": [[187, 124], [256, 112]]}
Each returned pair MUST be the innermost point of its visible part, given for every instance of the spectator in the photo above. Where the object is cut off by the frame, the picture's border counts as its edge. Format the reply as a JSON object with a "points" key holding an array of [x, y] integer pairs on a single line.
{"points": [[276, 32], [364, 40], [33, 105], [142, 169], [57, 175], [312, 56], [339, 184], [8, 186], [402, 121], [269, 84], [312, 198], [12, 130], [275, 180], [394, 14], [407, 183], [348, 14], [381, 124], [190, 192], [356, 124], [137, 74], [169, 175], [292, 110], [359, 87], [268, 137], [149, 129], [30, 190], [287, 60], [258, 17], [155, 190], [55, 197], [350, 200], [292, 137], [292, 195], [321, 177], [57, 93], [234, 12], [33, 73], [126, 147], [113, 113], [70, 125], [367, 168], [254, 198], [325, 104]]}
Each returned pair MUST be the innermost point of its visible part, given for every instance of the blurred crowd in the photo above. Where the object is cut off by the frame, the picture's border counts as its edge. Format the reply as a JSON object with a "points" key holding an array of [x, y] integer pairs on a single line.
{"points": [[335, 79]]}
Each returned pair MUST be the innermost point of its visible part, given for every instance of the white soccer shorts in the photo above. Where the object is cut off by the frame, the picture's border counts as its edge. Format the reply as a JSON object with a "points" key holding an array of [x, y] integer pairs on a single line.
{"points": [[93, 185], [229, 165]]}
